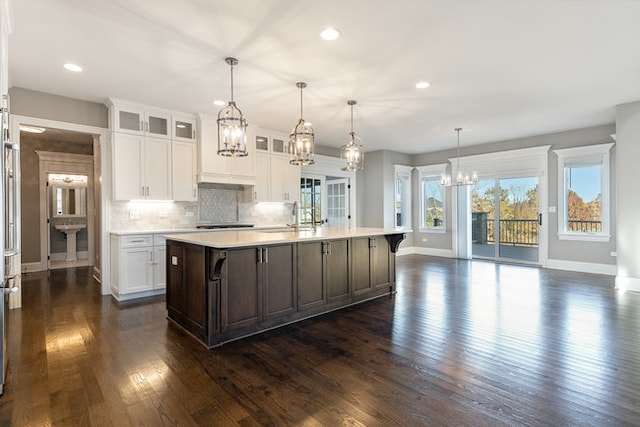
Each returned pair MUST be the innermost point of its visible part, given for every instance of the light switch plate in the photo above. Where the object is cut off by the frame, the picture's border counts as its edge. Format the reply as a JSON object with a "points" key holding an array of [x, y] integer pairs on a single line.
{"points": [[552, 209]]}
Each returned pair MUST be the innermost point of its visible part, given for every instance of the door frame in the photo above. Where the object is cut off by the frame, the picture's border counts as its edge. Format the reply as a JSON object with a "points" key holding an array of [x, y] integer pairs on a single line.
{"points": [[332, 166], [102, 178], [503, 164], [497, 228], [64, 163]]}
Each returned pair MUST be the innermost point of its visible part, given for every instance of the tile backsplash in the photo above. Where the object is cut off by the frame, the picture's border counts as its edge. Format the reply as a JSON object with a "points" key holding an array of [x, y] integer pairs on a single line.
{"points": [[217, 203]]}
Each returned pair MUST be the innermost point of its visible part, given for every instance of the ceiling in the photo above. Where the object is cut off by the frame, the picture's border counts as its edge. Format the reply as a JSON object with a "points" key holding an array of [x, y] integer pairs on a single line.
{"points": [[498, 69]]}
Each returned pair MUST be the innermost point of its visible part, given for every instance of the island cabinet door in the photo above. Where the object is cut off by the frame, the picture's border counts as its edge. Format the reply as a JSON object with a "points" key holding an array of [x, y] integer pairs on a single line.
{"points": [[186, 297], [241, 294], [311, 272], [361, 265], [279, 280], [372, 267], [337, 271]]}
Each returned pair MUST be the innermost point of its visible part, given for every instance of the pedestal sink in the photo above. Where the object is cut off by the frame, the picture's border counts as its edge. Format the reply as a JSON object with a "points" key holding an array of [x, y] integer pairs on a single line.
{"points": [[71, 230]]}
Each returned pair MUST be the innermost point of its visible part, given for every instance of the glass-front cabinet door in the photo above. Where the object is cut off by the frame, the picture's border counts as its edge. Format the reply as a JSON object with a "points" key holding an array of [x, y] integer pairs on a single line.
{"points": [[184, 129]]}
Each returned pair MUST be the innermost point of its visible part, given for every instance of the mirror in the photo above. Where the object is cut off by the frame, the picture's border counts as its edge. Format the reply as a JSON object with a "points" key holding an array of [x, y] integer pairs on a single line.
{"points": [[68, 201]]}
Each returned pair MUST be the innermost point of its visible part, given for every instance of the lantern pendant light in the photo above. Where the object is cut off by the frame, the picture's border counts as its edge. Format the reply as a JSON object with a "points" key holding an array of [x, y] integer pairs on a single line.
{"points": [[461, 178], [232, 126], [301, 138], [352, 152]]}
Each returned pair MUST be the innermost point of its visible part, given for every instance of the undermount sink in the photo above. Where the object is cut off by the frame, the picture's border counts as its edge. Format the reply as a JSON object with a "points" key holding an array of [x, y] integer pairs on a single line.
{"points": [[70, 230]]}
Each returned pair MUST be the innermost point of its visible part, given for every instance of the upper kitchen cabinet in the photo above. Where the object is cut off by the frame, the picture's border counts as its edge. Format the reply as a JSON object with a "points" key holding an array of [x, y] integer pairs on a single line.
{"points": [[183, 128], [141, 168], [183, 178], [215, 168], [139, 119]]}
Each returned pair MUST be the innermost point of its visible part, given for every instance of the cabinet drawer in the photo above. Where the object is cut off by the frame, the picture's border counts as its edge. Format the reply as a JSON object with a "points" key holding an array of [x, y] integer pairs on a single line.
{"points": [[136, 241]]}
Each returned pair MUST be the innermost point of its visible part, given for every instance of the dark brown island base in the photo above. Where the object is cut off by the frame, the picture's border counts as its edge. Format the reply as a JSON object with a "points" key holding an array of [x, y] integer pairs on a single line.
{"points": [[228, 285]]}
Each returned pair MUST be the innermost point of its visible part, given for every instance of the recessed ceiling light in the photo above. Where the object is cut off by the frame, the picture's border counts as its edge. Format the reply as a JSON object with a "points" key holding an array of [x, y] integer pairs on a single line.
{"points": [[32, 129], [330, 34], [422, 85], [219, 103], [73, 67]]}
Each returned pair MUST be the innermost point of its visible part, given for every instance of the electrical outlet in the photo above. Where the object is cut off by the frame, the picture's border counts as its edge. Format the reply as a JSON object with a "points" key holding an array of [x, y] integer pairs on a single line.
{"points": [[188, 213], [552, 209], [613, 253], [134, 214], [424, 239], [162, 214]]}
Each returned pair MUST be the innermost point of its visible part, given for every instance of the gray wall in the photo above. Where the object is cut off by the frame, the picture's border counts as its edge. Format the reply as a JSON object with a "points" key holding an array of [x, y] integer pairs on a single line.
{"points": [[580, 251], [25, 102], [376, 190]]}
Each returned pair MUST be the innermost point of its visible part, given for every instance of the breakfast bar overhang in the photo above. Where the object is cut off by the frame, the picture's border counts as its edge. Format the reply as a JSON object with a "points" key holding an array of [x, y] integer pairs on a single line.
{"points": [[229, 285]]}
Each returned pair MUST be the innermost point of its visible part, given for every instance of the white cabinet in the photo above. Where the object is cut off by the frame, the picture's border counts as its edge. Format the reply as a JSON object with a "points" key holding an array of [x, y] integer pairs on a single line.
{"points": [[132, 265], [183, 128], [140, 120], [183, 171], [278, 180], [285, 179], [138, 265], [215, 168], [141, 167]]}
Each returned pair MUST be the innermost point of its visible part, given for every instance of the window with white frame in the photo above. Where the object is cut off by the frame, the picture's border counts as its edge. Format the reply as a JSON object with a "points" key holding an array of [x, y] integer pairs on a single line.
{"points": [[402, 218], [584, 193], [432, 198]]}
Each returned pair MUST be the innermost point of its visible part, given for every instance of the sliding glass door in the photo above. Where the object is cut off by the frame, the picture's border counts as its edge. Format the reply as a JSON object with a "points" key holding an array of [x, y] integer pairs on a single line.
{"points": [[505, 219]]}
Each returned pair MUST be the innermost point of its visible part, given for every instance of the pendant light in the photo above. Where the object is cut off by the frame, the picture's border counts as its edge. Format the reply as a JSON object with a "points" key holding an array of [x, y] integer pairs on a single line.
{"points": [[352, 152], [461, 178], [232, 126], [301, 138]]}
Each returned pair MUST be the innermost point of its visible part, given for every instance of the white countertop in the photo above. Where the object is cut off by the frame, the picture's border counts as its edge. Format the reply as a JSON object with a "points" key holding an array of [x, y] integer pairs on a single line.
{"points": [[193, 230], [230, 239]]}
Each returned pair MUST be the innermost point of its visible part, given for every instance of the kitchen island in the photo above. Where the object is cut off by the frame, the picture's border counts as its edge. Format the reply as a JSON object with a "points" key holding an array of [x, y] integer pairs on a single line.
{"points": [[228, 285]]}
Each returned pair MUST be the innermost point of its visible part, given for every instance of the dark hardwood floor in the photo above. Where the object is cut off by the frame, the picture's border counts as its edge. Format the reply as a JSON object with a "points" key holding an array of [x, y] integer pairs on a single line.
{"points": [[461, 343]]}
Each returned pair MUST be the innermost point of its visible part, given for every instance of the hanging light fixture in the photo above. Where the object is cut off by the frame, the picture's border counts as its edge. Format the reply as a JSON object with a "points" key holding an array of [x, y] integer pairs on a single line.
{"points": [[461, 178], [301, 138], [232, 126], [352, 152]]}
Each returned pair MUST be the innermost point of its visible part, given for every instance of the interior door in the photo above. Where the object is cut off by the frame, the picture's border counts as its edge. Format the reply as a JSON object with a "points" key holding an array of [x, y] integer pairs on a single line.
{"points": [[338, 202], [505, 219]]}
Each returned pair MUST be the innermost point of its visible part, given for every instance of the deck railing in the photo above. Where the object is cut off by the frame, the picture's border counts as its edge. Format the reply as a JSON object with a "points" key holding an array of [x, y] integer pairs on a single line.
{"points": [[519, 232]]}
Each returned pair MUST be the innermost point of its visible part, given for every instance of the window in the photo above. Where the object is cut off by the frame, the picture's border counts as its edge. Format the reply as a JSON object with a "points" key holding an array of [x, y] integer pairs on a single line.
{"points": [[432, 198], [403, 196], [583, 193]]}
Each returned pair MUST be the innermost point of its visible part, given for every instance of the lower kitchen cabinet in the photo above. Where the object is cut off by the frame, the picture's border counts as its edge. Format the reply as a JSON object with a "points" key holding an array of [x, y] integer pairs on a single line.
{"points": [[323, 273], [258, 284], [187, 294], [220, 293], [373, 267], [138, 265]]}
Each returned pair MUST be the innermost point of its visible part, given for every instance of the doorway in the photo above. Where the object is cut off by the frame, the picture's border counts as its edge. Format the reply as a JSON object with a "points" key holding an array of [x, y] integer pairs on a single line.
{"points": [[505, 219], [325, 201]]}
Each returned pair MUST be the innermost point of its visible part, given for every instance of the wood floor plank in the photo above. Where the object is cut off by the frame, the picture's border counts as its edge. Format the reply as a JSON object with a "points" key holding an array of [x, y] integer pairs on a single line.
{"points": [[461, 343]]}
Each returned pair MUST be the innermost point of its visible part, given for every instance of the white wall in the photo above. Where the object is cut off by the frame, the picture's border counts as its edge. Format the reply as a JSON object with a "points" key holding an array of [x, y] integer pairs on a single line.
{"points": [[628, 200]]}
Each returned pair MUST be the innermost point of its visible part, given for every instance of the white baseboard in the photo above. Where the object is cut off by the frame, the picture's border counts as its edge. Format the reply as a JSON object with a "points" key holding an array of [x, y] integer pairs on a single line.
{"points": [[425, 251], [583, 267], [32, 267], [628, 283], [61, 256]]}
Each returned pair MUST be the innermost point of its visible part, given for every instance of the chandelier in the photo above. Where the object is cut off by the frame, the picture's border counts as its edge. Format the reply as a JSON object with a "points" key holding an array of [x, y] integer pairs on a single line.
{"points": [[461, 178], [301, 138], [232, 126], [352, 152]]}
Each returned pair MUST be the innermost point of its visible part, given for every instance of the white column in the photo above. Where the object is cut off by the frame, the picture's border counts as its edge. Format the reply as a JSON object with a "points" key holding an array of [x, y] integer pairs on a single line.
{"points": [[627, 175]]}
